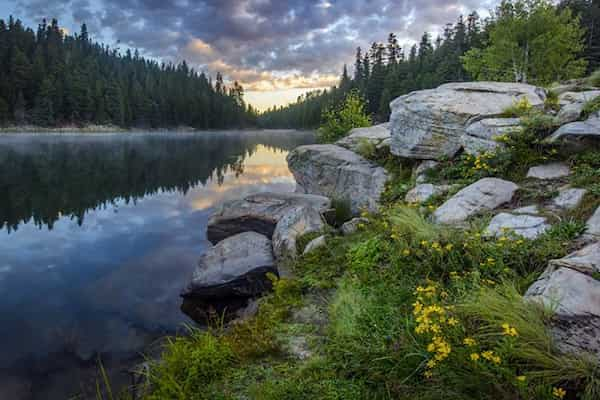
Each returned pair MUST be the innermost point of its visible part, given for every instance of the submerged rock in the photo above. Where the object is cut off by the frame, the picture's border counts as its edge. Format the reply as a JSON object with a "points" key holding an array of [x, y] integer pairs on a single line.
{"points": [[549, 171], [338, 173], [261, 213], [431, 124], [483, 195], [528, 226], [229, 274], [377, 135]]}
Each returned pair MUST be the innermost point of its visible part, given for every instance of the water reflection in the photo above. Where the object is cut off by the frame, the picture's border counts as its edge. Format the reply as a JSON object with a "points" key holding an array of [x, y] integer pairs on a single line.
{"points": [[100, 235]]}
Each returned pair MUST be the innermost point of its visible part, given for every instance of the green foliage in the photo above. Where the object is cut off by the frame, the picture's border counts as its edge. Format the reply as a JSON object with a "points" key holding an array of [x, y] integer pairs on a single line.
{"points": [[338, 121], [551, 103], [591, 107], [342, 211], [529, 41], [594, 79], [366, 148], [520, 108]]}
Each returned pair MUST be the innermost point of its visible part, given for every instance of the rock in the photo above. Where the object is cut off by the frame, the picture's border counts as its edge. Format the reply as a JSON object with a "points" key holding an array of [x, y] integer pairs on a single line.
{"points": [[485, 194], [586, 260], [589, 128], [572, 104], [549, 171], [569, 198], [235, 267], [378, 135], [423, 192], [315, 244], [260, 213], [575, 297], [480, 135], [421, 171], [593, 224], [573, 85], [298, 221], [353, 225], [532, 210], [430, 124], [527, 226], [338, 173]]}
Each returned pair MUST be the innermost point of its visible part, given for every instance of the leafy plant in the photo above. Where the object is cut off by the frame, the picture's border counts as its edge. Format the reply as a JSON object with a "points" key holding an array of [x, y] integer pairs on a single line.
{"points": [[337, 122], [591, 107]]}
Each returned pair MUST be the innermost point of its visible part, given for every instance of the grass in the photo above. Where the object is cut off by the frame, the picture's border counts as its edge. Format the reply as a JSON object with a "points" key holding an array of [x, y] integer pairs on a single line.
{"points": [[591, 107], [594, 79]]}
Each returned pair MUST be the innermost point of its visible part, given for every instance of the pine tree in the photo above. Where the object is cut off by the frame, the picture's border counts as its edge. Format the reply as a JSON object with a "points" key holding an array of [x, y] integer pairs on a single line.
{"points": [[20, 111], [43, 110]]}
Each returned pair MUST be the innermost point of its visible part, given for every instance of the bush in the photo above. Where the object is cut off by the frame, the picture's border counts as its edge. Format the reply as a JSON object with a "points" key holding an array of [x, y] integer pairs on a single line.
{"points": [[594, 79], [520, 108], [338, 122], [552, 102], [590, 108]]}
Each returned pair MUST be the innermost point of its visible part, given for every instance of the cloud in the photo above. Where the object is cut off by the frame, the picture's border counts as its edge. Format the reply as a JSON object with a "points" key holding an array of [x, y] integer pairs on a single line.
{"points": [[265, 44]]}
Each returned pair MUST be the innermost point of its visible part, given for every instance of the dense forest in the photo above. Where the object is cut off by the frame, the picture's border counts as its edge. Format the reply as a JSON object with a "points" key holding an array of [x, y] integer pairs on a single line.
{"points": [[48, 78], [386, 71]]}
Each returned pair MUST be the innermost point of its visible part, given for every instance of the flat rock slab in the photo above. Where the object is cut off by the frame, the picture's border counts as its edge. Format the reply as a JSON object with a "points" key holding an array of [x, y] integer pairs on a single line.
{"points": [[569, 199], [572, 104], [377, 135], [483, 195], [586, 260], [593, 224], [423, 192], [338, 173], [575, 297], [430, 124], [259, 213], [527, 226], [589, 128], [549, 171], [235, 267]]}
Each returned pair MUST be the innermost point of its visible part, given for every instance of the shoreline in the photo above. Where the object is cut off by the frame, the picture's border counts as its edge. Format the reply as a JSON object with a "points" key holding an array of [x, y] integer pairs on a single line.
{"points": [[111, 129]]}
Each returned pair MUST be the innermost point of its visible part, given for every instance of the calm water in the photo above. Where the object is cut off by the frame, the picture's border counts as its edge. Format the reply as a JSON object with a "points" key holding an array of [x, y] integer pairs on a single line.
{"points": [[99, 233]]}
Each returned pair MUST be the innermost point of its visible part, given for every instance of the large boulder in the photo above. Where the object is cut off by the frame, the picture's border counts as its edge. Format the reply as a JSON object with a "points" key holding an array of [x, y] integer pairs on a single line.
{"points": [[480, 136], [295, 223], [430, 124], [261, 213], [229, 274], [572, 104], [588, 129], [378, 135], [527, 226], [338, 173], [593, 224], [568, 287], [483, 195]]}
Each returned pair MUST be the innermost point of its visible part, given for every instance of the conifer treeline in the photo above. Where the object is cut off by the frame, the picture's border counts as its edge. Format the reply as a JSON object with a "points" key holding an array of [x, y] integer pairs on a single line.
{"points": [[387, 71], [48, 78]]}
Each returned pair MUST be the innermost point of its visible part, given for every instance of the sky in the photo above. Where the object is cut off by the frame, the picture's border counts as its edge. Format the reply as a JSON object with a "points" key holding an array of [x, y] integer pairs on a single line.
{"points": [[277, 49]]}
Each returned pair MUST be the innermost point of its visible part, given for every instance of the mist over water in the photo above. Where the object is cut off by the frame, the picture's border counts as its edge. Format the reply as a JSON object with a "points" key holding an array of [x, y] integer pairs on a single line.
{"points": [[99, 233]]}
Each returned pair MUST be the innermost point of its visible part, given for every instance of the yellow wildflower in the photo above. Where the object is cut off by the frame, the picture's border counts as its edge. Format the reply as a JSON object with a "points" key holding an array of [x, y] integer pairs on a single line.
{"points": [[521, 378], [559, 393], [449, 246], [427, 374], [431, 347], [452, 321], [509, 330], [431, 364], [470, 341], [474, 356], [488, 355], [424, 243], [406, 252]]}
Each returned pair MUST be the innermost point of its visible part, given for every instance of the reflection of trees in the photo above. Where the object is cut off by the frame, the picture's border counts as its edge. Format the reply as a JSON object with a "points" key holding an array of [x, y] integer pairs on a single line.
{"points": [[44, 178]]}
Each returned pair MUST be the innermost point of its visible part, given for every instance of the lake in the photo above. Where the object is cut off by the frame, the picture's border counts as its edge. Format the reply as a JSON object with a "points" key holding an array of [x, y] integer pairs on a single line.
{"points": [[99, 234]]}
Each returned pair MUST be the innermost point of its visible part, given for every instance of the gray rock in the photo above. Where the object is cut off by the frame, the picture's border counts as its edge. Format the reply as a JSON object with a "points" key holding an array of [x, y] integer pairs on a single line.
{"points": [[378, 135], [569, 198], [235, 267], [549, 171], [421, 171], [527, 226], [480, 136], [298, 221], [315, 244], [532, 210], [593, 224], [338, 173], [430, 124], [483, 195], [586, 260], [575, 297], [353, 225], [589, 128], [572, 104], [260, 213], [423, 192]]}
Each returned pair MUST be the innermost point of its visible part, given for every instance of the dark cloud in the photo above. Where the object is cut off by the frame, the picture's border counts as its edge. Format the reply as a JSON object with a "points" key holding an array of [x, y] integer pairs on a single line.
{"points": [[254, 40]]}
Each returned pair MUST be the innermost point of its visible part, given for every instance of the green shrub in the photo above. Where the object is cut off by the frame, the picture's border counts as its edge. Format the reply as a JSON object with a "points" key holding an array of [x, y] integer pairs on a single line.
{"points": [[594, 79], [520, 108], [551, 103], [591, 107], [366, 148], [337, 122]]}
